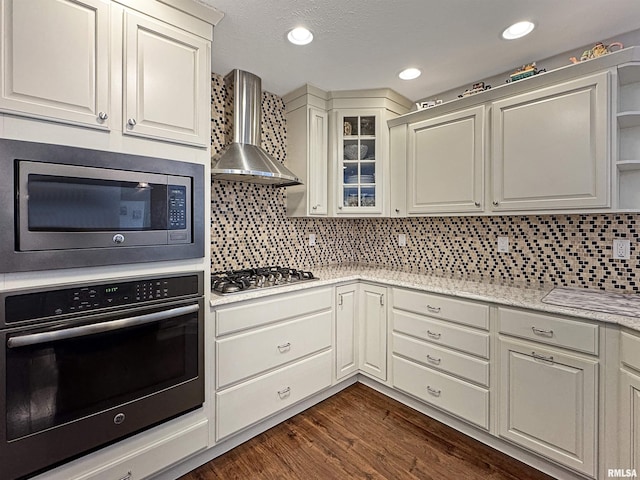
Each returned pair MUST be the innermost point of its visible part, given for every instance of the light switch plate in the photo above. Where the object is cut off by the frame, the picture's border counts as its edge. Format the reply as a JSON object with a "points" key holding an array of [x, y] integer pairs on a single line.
{"points": [[402, 240], [312, 239]]}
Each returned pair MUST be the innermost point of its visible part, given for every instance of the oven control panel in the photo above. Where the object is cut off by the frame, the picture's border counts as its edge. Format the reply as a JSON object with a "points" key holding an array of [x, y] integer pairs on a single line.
{"points": [[36, 305]]}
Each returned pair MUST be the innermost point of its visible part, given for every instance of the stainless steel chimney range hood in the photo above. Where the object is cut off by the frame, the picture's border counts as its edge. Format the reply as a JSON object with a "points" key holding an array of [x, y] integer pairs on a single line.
{"points": [[243, 160]]}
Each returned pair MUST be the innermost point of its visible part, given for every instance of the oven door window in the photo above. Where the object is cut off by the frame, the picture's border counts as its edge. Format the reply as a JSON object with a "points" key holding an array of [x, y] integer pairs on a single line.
{"points": [[56, 382]]}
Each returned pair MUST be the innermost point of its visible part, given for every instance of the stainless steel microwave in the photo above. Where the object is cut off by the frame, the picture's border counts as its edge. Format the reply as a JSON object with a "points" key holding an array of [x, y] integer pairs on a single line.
{"points": [[65, 207]]}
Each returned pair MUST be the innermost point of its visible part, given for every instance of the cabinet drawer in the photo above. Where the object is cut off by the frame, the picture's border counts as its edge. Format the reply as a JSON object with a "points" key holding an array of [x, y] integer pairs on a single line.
{"points": [[442, 333], [443, 308], [455, 396], [449, 361], [247, 354], [273, 309], [251, 401], [572, 334], [630, 350]]}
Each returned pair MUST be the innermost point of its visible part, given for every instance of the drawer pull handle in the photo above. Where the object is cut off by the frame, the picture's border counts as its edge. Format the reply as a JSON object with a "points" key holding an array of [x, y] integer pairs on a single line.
{"points": [[285, 347], [434, 360], [434, 335], [544, 333], [433, 309], [433, 391], [537, 356], [284, 393]]}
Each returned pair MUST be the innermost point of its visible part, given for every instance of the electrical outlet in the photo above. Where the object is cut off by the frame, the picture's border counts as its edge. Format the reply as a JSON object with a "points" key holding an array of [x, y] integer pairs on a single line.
{"points": [[503, 244], [621, 249], [402, 240], [312, 239]]}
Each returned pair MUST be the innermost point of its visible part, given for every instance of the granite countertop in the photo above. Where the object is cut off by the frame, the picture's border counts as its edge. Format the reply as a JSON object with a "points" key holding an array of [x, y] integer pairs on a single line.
{"points": [[520, 296]]}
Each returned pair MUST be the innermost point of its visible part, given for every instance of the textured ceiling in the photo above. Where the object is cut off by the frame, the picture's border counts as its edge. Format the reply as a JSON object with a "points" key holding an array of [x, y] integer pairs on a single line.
{"points": [[365, 43]]}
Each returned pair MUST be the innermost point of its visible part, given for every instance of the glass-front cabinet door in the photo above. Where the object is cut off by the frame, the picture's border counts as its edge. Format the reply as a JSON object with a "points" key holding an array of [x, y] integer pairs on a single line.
{"points": [[359, 186]]}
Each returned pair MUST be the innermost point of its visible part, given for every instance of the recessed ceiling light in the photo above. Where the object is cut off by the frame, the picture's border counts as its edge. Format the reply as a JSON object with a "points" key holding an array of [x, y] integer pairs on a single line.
{"points": [[518, 30], [300, 36], [409, 73]]}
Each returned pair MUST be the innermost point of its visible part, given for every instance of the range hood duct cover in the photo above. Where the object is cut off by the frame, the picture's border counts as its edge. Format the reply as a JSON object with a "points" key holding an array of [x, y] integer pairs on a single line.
{"points": [[243, 160]]}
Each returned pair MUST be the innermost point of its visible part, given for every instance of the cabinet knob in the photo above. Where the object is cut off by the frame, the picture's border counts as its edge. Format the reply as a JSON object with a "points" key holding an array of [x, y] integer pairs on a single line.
{"points": [[397, 210], [315, 207], [103, 116], [477, 204], [495, 203], [339, 207], [131, 122]]}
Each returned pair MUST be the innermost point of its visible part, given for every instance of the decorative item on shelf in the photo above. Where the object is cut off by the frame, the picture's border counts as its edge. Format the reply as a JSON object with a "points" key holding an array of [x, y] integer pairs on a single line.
{"points": [[347, 129], [475, 88], [368, 200], [428, 104], [528, 70], [351, 152], [598, 50]]}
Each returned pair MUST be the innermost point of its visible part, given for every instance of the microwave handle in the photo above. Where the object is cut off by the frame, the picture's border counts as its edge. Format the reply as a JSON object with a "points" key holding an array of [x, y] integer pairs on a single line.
{"points": [[44, 337]]}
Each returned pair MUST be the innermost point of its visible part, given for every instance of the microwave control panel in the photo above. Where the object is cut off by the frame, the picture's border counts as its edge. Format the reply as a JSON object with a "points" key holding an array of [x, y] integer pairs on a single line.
{"points": [[177, 206]]}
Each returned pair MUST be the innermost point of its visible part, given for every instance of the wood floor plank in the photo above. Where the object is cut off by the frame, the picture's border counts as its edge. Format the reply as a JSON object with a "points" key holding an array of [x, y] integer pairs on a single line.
{"points": [[361, 433]]}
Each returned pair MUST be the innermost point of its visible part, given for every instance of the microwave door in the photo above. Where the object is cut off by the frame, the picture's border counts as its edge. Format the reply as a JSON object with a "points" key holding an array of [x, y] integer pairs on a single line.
{"points": [[72, 207]]}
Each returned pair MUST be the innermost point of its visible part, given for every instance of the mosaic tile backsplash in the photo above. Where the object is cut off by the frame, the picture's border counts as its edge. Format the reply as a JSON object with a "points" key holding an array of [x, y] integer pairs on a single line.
{"points": [[249, 227]]}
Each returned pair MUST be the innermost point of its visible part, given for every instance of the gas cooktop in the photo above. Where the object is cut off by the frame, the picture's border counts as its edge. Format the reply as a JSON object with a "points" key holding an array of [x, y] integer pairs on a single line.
{"points": [[234, 281]]}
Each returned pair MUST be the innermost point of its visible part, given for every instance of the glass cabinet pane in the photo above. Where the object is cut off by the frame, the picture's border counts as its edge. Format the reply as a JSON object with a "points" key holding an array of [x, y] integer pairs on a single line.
{"points": [[368, 196], [359, 161], [350, 126], [367, 126]]}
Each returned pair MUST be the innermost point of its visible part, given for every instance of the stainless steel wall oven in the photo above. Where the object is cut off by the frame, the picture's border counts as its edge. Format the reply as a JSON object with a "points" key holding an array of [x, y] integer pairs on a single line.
{"points": [[72, 207], [86, 365]]}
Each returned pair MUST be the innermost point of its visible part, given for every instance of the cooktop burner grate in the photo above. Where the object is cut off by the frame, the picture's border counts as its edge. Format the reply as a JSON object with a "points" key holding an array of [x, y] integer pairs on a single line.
{"points": [[233, 281]]}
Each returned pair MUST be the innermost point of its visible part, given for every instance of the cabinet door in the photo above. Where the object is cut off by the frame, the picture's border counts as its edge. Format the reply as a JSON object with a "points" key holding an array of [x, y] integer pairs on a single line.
{"points": [[346, 330], [550, 147], [629, 421], [360, 159], [318, 161], [166, 82], [55, 56], [548, 403], [373, 331], [445, 163]]}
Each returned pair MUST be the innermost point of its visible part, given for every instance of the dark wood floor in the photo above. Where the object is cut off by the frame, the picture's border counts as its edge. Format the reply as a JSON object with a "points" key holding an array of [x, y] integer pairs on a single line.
{"points": [[360, 433]]}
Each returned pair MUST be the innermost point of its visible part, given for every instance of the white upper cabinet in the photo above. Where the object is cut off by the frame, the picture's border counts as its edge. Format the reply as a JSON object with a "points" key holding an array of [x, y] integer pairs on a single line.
{"points": [[167, 82], [338, 143], [445, 163], [550, 147], [563, 141], [55, 60], [134, 67], [307, 152]]}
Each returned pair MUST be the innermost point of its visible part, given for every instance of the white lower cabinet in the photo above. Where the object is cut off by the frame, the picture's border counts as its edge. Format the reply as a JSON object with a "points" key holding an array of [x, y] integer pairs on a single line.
{"points": [[629, 410], [269, 357], [247, 403], [456, 396], [548, 403], [346, 345], [441, 351], [372, 328]]}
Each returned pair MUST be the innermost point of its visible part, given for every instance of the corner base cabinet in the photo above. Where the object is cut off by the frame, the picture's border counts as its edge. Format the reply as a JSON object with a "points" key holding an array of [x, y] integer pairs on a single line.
{"points": [[372, 328]]}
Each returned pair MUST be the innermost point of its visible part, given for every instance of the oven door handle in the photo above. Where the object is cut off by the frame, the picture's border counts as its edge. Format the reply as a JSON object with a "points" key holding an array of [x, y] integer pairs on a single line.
{"points": [[44, 337]]}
